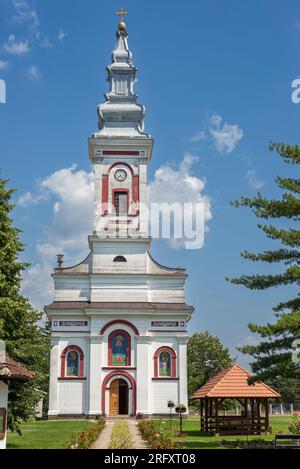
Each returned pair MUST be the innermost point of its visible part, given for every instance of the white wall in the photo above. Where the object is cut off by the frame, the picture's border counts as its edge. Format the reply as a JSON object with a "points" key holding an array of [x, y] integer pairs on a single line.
{"points": [[3, 404]]}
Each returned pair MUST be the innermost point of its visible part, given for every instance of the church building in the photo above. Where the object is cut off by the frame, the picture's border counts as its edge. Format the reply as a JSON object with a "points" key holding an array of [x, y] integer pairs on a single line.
{"points": [[119, 318]]}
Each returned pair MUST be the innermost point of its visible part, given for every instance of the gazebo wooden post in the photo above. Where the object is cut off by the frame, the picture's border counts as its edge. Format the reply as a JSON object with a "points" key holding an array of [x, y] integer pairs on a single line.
{"points": [[217, 415], [206, 414], [201, 414], [266, 415]]}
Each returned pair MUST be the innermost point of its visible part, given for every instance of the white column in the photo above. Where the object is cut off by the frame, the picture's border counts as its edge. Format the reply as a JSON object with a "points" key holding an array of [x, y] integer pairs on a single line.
{"points": [[3, 405], [54, 374], [142, 374], [94, 384], [182, 370]]}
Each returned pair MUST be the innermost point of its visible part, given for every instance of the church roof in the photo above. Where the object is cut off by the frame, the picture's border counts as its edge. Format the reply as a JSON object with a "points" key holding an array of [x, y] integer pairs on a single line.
{"points": [[12, 370], [118, 305], [233, 383]]}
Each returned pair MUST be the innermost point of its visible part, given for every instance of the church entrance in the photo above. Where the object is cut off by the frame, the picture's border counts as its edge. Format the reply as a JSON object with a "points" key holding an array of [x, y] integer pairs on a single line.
{"points": [[118, 398]]}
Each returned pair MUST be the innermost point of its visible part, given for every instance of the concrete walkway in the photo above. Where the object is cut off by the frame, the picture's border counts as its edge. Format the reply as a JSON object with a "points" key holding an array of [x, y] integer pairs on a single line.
{"points": [[105, 437], [137, 440]]}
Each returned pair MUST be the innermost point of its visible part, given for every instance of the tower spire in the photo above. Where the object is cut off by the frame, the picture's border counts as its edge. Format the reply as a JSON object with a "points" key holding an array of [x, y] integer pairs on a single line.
{"points": [[120, 115]]}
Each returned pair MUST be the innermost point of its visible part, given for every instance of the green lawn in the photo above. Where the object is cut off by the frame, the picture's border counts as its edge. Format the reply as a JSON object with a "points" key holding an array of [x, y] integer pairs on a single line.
{"points": [[196, 440], [52, 434]]}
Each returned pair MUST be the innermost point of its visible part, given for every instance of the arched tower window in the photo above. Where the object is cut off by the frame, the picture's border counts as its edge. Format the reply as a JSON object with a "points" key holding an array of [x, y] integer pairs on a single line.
{"points": [[165, 363], [119, 348], [120, 259], [72, 362]]}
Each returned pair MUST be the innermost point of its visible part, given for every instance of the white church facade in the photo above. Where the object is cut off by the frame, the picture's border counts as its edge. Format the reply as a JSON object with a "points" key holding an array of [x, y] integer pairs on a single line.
{"points": [[118, 319]]}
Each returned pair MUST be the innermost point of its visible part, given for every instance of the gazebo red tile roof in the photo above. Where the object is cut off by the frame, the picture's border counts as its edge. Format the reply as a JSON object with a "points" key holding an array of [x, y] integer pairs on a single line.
{"points": [[12, 370], [233, 383]]}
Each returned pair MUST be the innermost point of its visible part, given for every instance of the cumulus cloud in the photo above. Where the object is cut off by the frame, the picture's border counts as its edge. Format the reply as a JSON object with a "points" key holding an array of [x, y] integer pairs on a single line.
{"points": [[24, 13], [70, 191], [179, 185], [253, 180], [13, 47], [225, 137]]}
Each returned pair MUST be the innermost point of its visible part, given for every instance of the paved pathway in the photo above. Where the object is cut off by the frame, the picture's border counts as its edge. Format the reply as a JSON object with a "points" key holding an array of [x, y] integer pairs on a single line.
{"points": [[137, 440], [105, 436]]}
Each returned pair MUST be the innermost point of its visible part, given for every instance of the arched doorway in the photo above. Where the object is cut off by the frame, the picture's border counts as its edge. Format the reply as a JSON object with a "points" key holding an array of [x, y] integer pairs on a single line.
{"points": [[118, 398]]}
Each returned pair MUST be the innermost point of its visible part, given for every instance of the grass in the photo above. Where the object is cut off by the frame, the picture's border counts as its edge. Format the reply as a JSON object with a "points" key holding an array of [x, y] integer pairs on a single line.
{"points": [[120, 438], [198, 440], [52, 434]]}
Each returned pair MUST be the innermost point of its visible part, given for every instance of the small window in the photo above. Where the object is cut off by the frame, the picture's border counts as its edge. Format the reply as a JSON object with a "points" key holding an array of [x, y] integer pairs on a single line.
{"points": [[2, 423], [121, 203], [120, 259]]}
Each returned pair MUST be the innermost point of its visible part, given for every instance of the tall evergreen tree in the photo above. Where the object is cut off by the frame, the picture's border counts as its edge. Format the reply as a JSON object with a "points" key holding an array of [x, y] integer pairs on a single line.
{"points": [[25, 339], [272, 357]]}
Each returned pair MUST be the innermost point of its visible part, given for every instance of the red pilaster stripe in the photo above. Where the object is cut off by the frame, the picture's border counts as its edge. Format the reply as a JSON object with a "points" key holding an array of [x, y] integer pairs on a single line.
{"points": [[135, 194], [105, 194]]}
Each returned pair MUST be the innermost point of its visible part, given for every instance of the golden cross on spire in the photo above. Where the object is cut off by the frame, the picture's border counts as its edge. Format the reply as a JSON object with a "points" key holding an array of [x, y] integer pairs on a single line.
{"points": [[122, 13]]}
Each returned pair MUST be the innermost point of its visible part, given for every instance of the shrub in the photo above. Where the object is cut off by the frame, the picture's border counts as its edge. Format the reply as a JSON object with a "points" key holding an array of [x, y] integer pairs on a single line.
{"points": [[120, 438], [294, 426], [257, 443], [84, 440], [155, 438]]}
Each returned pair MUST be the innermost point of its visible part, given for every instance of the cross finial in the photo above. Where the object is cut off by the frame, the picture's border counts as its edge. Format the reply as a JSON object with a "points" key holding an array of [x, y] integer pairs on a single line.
{"points": [[122, 13]]}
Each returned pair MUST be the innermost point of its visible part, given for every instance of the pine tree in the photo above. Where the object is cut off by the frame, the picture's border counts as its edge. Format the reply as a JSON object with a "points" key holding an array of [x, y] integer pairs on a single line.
{"points": [[25, 339], [272, 357]]}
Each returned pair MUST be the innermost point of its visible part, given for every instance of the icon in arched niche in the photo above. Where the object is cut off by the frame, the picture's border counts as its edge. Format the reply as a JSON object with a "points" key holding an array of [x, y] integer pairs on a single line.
{"points": [[119, 349], [165, 364]]}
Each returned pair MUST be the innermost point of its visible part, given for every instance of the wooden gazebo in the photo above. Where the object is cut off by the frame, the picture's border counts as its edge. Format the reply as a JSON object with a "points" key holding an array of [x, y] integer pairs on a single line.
{"points": [[232, 383]]}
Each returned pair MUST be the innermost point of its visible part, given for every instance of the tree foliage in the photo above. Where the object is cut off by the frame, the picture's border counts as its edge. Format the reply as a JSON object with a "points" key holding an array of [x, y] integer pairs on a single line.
{"points": [[206, 357], [26, 340], [272, 357]]}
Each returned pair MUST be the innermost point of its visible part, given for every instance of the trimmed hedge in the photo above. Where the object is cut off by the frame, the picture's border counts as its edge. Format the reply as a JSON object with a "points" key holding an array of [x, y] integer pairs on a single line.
{"points": [[85, 439], [154, 438]]}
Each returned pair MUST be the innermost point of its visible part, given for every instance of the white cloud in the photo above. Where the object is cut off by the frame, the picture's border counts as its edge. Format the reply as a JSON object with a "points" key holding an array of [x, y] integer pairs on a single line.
{"points": [[71, 194], [225, 137], [61, 35], [16, 48], [179, 185], [4, 65], [24, 13], [34, 73], [253, 181]]}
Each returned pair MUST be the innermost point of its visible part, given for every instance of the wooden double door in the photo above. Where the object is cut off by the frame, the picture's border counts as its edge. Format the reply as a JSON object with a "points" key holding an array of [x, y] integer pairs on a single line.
{"points": [[118, 398]]}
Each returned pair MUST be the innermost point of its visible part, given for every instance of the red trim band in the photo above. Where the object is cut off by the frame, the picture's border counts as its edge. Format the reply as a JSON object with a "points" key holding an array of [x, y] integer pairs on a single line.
{"points": [[120, 152], [119, 321]]}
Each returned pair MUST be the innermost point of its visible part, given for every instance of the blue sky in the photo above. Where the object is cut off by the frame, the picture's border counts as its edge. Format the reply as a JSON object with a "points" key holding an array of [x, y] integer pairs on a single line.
{"points": [[215, 77]]}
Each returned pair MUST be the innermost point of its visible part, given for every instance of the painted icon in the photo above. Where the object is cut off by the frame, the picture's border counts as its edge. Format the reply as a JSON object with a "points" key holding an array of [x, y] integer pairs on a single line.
{"points": [[165, 364], [119, 350], [72, 363]]}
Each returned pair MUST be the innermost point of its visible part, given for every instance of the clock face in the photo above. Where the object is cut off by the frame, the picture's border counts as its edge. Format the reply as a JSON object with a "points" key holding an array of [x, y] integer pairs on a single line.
{"points": [[120, 175]]}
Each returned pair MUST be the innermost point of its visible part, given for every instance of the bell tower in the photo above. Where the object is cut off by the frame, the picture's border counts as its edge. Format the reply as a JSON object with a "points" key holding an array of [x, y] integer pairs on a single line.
{"points": [[120, 151], [118, 318]]}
